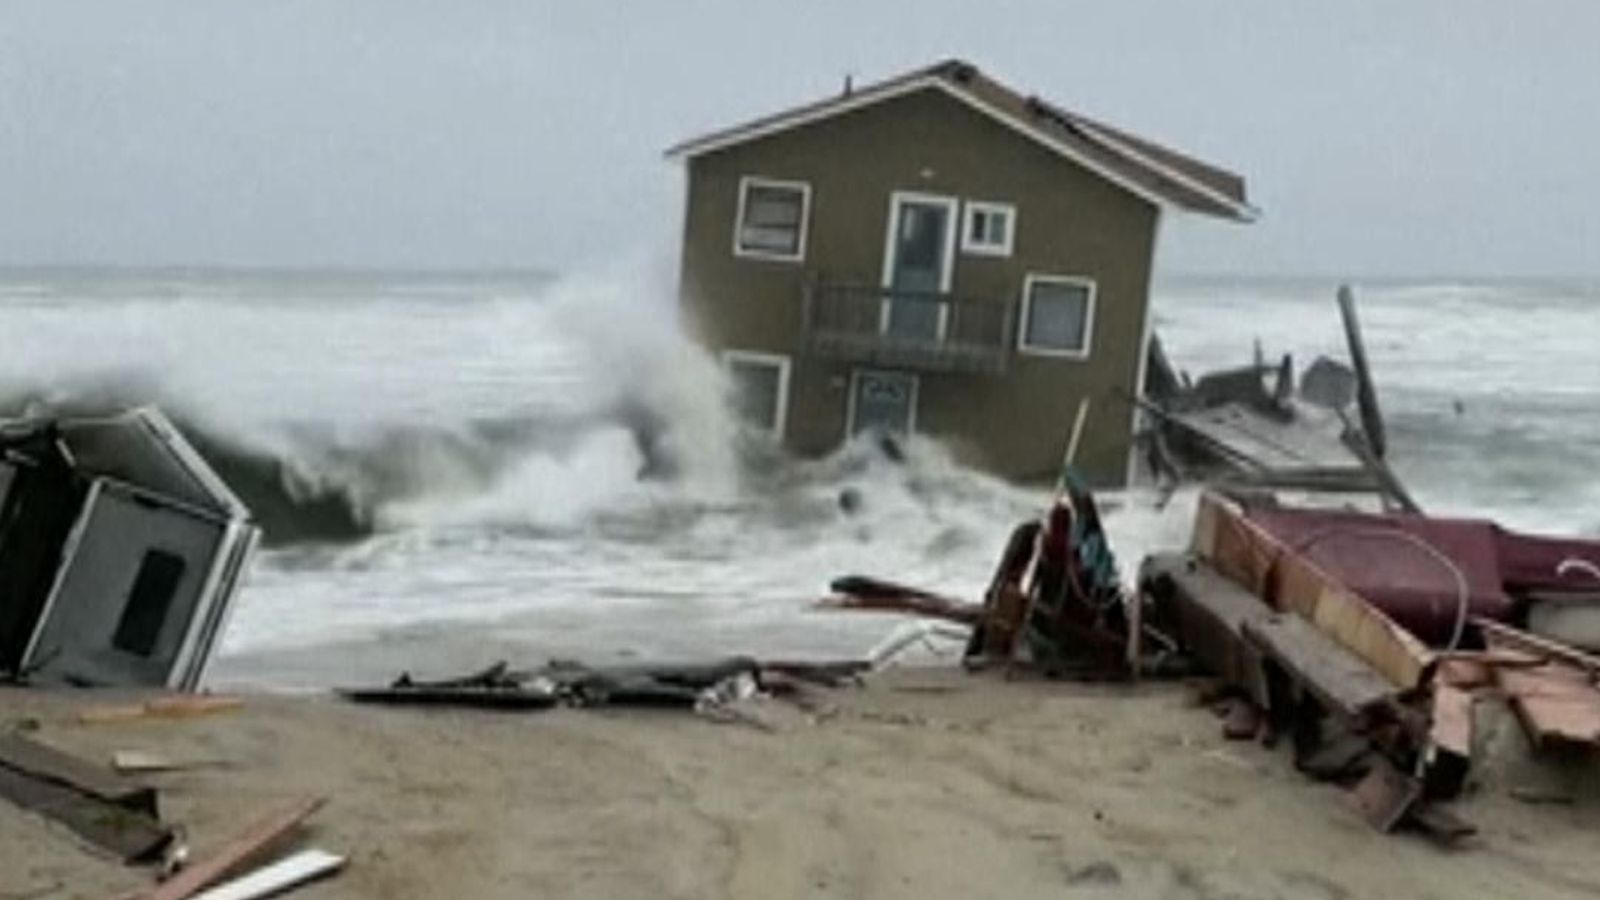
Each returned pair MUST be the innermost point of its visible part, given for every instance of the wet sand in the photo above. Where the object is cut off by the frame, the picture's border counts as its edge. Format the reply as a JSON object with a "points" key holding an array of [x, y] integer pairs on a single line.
{"points": [[922, 784]]}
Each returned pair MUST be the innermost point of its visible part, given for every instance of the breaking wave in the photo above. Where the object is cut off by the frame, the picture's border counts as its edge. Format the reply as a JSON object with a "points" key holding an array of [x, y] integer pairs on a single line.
{"points": [[335, 422]]}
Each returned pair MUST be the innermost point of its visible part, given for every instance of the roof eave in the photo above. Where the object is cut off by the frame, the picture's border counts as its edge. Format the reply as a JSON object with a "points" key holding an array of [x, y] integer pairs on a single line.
{"points": [[1228, 207]]}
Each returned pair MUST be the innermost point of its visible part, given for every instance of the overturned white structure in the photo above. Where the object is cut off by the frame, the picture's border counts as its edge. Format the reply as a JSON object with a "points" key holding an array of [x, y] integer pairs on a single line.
{"points": [[120, 552]]}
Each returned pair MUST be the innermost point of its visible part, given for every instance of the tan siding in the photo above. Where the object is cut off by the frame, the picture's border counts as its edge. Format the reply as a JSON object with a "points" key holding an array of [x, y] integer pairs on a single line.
{"points": [[1069, 222]]}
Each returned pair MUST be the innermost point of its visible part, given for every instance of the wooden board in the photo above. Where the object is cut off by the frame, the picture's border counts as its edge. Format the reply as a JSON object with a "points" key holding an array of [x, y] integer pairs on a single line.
{"points": [[1343, 683], [1499, 636], [1287, 580], [247, 845], [1558, 704], [1451, 727], [1211, 612], [43, 761], [129, 835]]}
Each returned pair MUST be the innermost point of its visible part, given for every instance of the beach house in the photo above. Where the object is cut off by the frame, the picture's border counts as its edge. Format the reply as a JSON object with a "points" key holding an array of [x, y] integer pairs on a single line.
{"points": [[937, 254]]}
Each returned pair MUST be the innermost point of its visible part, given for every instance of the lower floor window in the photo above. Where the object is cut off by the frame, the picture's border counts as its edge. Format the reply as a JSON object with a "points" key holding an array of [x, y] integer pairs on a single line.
{"points": [[1057, 315], [760, 388]]}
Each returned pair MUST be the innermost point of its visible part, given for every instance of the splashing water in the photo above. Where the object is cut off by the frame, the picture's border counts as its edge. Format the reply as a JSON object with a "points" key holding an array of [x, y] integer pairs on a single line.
{"points": [[457, 468]]}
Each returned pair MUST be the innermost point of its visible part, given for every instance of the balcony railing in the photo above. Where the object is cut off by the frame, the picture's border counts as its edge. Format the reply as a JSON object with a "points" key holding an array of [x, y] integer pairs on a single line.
{"points": [[907, 329]]}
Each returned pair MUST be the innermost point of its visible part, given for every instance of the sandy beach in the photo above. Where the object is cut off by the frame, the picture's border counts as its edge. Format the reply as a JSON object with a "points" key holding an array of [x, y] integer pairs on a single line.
{"points": [[923, 783]]}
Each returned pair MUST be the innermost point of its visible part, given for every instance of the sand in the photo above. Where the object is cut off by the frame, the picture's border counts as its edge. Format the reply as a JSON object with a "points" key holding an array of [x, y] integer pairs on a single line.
{"points": [[923, 784]]}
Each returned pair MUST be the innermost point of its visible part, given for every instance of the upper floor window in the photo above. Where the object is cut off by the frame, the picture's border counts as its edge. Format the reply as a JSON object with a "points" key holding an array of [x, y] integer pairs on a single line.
{"points": [[988, 228], [1057, 316], [772, 219]]}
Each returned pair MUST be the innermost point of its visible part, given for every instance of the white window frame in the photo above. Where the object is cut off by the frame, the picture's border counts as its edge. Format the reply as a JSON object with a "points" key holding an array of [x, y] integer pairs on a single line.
{"points": [[781, 411], [745, 184], [855, 384], [947, 273], [973, 208], [1034, 278]]}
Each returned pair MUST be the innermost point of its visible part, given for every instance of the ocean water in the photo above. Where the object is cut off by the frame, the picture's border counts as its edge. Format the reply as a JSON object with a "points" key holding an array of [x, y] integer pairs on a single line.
{"points": [[459, 468]]}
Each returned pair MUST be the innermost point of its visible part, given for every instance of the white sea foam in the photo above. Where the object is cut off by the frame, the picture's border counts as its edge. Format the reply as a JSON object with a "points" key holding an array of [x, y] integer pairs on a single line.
{"points": [[494, 434]]}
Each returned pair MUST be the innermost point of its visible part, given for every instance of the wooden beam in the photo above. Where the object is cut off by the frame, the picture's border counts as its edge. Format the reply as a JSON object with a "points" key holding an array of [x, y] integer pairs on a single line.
{"points": [[1211, 612], [1500, 636], [1287, 579], [129, 835], [246, 846], [43, 761]]}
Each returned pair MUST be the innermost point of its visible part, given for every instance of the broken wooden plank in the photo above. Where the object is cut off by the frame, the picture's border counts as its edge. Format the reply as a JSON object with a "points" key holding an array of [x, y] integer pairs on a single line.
{"points": [[138, 761], [127, 834], [1385, 795], [1344, 684], [1248, 554], [873, 595], [45, 762], [1557, 703], [1211, 611], [1499, 636], [271, 881], [246, 846], [1451, 728]]}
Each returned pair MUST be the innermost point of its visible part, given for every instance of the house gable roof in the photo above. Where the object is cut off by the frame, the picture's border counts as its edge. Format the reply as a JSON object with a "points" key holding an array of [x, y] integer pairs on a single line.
{"points": [[1149, 170]]}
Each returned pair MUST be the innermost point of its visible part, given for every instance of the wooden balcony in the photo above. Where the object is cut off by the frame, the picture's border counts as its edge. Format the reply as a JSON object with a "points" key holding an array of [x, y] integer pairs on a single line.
{"points": [[907, 330]]}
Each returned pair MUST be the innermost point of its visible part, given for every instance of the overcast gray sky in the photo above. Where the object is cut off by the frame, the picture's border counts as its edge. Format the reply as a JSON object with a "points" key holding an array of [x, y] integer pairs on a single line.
{"points": [[1432, 137]]}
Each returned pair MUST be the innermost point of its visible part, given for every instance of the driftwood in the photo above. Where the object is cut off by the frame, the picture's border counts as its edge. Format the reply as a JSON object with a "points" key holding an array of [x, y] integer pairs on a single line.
{"points": [[872, 595]]}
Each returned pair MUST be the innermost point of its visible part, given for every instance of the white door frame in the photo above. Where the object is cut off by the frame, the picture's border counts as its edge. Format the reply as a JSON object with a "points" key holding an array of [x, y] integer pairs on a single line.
{"points": [[781, 410], [855, 384], [897, 202]]}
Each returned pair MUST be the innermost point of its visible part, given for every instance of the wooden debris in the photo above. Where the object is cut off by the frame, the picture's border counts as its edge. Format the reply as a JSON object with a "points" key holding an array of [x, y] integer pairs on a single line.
{"points": [[139, 761], [1343, 683], [1451, 728], [105, 809], [43, 761], [248, 845], [1385, 795], [868, 594], [1503, 637], [1557, 703], [1248, 554], [283, 875], [178, 706], [1210, 613]]}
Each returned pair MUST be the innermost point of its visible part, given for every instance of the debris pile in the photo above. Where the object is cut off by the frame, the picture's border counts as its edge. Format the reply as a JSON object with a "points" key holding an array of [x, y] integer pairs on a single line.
{"points": [[1365, 639], [117, 815], [1254, 427]]}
